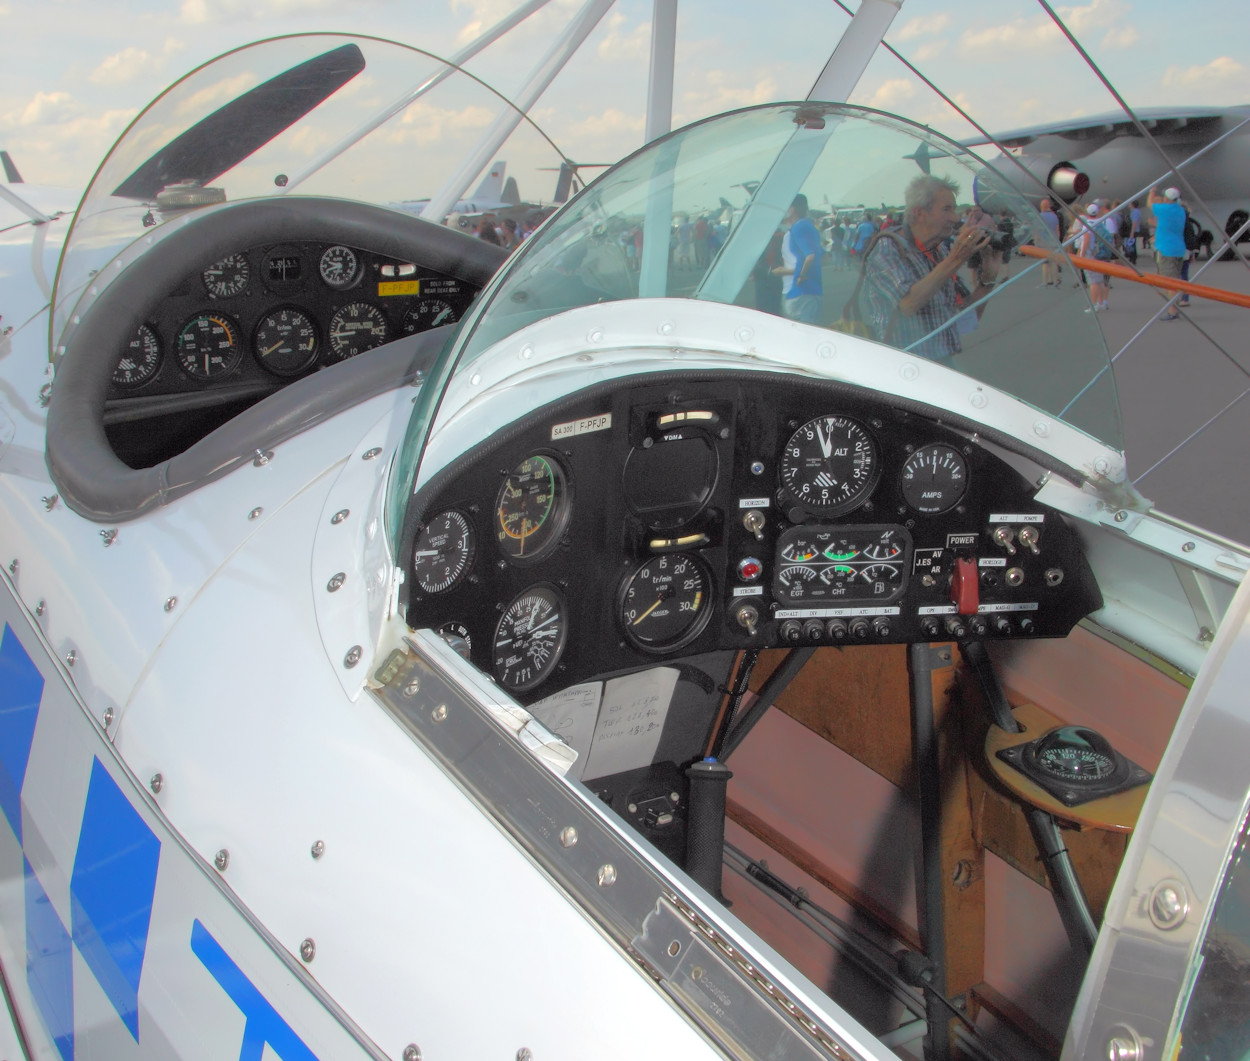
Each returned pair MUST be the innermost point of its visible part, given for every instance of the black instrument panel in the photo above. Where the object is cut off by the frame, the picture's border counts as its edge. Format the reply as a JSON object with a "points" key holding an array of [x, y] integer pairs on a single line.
{"points": [[267, 314], [659, 517]]}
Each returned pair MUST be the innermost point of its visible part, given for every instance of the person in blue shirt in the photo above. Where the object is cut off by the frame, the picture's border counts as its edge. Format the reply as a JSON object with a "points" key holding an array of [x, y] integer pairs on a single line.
{"points": [[801, 251], [1170, 252]]}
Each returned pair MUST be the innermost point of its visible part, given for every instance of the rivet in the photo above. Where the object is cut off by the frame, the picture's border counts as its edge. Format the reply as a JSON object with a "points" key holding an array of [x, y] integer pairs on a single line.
{"points": [[595, 335], [607, 875], [527, 352], [584, 359], [318, 849], [108, 717], [1189, 547], [1169, 904], [675, 797], [41, 607], [352, 657], [1121, 516], [745, 335], [568, 836], [476, 378], [49, 502], [525, 1054], [71, 657], [336, 582], [369, 454], [171, 603], [413, 687], [262, 458], [221, 860], [978, 400], [910, 371], [13, 567], [757, 467], [156, 783], [255, 513], [666, 328], [439, 714], [824, 350], [674, 949], [412, 1052], [109, 536], [307, 950], [1041, 428], [339, 516]]}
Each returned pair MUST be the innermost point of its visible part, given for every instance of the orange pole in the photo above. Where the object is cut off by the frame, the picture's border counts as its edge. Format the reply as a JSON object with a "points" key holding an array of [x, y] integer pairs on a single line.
{"points": [[1124, 272]]}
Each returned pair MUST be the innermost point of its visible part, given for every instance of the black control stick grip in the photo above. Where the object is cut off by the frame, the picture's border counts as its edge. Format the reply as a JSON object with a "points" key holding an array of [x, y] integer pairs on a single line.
{"points": [[705, 823]]}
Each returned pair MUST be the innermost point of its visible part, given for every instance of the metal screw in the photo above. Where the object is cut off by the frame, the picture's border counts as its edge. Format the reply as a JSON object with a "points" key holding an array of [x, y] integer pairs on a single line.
{"points": [[109, 536], [675, 797], [71, 657], [41, 607], [13, 567], [369, 454], [568, 836], [674, 949], [156, 783], [339, 516], [49, 502], [1169, 904], [525, 1054], [307, 950], [439, 714], [1189, 547], [1124, 1047], [1121, 516], [412, 1052], [262, 458], [221, 860], [607, 875], [336, 582], [255, 513], [352, 657], [108, 717], [318, 849], [413, 687], [171, 603]]}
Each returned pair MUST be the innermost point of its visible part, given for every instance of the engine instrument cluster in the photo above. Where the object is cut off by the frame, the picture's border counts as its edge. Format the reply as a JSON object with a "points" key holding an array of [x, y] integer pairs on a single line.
{"points": [[647, 521]]}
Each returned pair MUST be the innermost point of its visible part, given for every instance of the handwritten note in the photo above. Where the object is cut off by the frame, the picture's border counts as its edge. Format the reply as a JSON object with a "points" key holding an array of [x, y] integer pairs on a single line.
{"points": [[571, 713], [631, 719]]}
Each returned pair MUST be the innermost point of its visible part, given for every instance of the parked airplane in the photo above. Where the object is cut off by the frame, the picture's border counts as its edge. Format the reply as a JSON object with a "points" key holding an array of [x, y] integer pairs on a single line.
{"points": [[492, 194], [627, 672]]}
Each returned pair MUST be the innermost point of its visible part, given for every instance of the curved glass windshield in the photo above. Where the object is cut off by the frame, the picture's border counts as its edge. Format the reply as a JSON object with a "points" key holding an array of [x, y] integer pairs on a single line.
{"points": [[831, 214], [316, 114]]}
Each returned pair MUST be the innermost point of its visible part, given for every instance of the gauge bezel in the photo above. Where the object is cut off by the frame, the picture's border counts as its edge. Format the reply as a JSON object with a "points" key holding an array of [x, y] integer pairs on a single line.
{"points": [[691, 630], [557, 518], [348, 281], [243, 267], [414, 309], [905, 485], [468, 554], [236, 358], [147, 377], [334, 353], [789, 467], [307, 363], [548, 667]]}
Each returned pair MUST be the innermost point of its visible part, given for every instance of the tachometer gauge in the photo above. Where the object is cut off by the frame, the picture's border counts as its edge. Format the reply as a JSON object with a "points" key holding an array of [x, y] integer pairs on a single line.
{"points": [[443, 552], [529, 639], [286, 341], [934, 479], [208, 346], [425, 314], [532, 508], [339, 267], [830, 465], [228, 277], [355, 328], [140, 361], [666, 602]]}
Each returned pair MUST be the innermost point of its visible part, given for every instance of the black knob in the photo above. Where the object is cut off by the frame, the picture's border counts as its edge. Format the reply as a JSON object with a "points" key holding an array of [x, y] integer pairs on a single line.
{"points": [[1027, 625], [791, 631], [929, 626], [836, 629], [881, 626], [860, 629], [955, 627], [977, 624], [813, 630], [1002, 626]]}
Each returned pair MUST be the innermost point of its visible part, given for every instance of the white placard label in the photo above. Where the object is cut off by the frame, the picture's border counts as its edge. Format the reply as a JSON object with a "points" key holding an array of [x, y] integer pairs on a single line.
{"points": [[748, 591], [581, 427], [1016, 517], [936, 609], [992, 561], [825, 613], [986, 609], [753, 502]]}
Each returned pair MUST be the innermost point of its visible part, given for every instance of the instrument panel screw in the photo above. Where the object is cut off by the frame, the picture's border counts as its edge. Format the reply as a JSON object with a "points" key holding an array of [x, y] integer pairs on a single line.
{"points": [[171, 603], [439, 714], [318, 849], [108, 717], [525, 1054], [156, 783], [109, 536], [339, 516], [255, 513], [607, 875], [71, 657], [49, 502], [1169, 905], [757, 467], [412, 1052], [221, 860], [568, 836], [336, 582], [41, 607], [413, 687], [13, 567], [262, 458], [369, 454], [1121, 516], [352, 657], [307, 950], [1189, 547]]}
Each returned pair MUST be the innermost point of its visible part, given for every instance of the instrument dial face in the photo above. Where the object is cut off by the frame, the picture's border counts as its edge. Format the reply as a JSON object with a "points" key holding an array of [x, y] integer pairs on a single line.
{"points": [[228, 277], [832, 565], [529, 639], [140, 360], [443, 552], [427, 313], [339, 268], [934, 479], [355, 328], [286, 341], [1075, 755], [830, 465], [208, 346], [532, 508], [666, 602]]}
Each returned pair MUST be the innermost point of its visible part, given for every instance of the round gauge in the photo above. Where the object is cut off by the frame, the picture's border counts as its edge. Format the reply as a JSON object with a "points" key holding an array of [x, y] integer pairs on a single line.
{"points": [[427, 313], [934, 479], [286, 341], [458, 637], [1076, 755], [340, 268], [140, 360], [208, 346], [355, 328], [529, 639], [443, 552], [228, 277], [666, 602], [830, 465], [532, 508]]}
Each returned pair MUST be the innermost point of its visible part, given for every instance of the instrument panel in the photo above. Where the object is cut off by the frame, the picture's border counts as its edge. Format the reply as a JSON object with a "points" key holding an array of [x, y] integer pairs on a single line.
{"points": [[649, 519], [266, 315]]}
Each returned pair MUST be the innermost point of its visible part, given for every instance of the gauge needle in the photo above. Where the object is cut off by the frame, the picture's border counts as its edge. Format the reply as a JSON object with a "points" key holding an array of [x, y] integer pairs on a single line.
{"points": [[441, 317], [648, 611], [270, 350]]}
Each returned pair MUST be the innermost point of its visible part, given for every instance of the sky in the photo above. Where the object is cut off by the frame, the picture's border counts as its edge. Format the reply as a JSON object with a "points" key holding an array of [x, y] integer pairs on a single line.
{"points": [[76, 72]]}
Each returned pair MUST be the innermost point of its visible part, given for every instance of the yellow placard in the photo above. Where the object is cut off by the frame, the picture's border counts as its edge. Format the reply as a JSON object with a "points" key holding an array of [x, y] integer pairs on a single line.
{"points": [[399, 287]]}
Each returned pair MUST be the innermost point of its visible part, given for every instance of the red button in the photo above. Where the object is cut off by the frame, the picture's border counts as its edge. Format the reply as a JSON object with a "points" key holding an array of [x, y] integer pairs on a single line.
{"points": [[965, 587], [749, 570]]}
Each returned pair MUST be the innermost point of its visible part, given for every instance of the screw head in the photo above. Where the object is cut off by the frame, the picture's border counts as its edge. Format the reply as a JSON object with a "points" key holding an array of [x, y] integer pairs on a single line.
{"points": [[41, 607], [108, 717], [412, 1052], [307, 950], [156, 783], [568, 836], [339, 516], [607, 875], [255, 513], [1121, 516], [13, 567], [439, 714], [370, 454], [171, 603], [221, 860], [318, 849], [71, 657], [352, 657], [1169, 904], [109, 536], [1189, 547], [262, 458], [525, 1054], [413, 687], [336, 582]]}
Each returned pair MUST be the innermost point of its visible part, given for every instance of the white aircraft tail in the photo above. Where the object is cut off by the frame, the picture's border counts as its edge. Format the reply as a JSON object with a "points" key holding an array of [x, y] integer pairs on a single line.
{"points": [[491, 188]]}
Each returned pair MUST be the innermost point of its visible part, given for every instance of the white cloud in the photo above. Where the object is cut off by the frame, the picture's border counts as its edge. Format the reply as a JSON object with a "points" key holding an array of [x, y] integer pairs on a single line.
{"points": [[1121, 37], [212, 96], [722, 90], [121, 67], [49, 108], [1094, 15], [201, 12], [930, 50], [924, 26], [891, 95], [628, 45], [994, 41], [1223, 71]]}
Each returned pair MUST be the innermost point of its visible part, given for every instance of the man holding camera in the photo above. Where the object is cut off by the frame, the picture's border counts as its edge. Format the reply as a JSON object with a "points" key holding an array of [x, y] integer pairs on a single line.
{"points": [[912, 296]]}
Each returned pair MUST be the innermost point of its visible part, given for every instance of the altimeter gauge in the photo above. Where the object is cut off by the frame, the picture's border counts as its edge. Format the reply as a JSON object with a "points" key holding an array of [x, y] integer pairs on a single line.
{"points": [[829, 465], [140, 360], [443, 552], [666, 602], [529, 639]]}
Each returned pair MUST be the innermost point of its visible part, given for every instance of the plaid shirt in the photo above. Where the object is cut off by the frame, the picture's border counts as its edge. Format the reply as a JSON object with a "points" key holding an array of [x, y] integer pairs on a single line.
{"points": [[891, 268]]}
